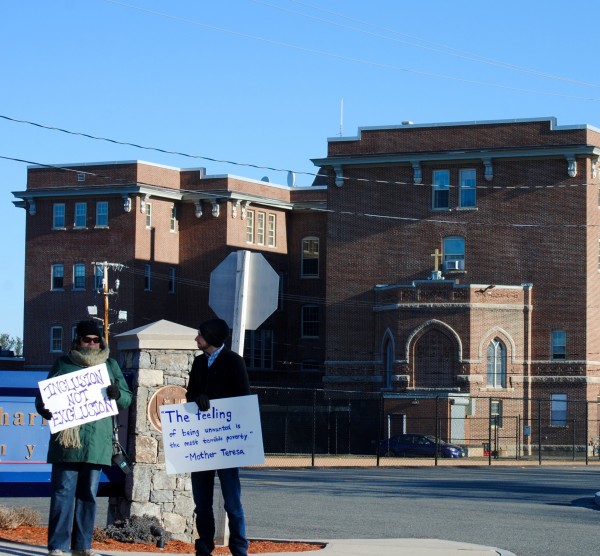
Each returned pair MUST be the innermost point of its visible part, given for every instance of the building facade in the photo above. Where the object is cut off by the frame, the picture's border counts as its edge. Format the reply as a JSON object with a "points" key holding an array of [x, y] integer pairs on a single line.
{"points": [[456, 260], [160, 232], [463, 261]]}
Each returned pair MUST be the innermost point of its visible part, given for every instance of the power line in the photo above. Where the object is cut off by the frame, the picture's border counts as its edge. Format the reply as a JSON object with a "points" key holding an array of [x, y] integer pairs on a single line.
{"points": [[255, 166], [435, 47], [379, 65], [436, 220]]}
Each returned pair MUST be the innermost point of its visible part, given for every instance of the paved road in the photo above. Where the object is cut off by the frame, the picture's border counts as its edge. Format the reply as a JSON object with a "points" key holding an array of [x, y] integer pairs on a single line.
{"points": [[531, 511]]}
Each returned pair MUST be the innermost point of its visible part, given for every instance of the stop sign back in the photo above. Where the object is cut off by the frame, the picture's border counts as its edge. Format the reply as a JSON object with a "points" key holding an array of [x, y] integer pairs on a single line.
{"points": [[261, 295]]}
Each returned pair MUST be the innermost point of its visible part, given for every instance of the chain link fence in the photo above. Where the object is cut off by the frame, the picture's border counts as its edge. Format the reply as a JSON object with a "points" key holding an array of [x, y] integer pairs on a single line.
{"points": [[306, 427]]}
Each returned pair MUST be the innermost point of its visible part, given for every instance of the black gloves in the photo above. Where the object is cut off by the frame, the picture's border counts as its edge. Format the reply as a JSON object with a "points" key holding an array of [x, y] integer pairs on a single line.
{"points": [[203, 402], [45, 413], [113, 392]]}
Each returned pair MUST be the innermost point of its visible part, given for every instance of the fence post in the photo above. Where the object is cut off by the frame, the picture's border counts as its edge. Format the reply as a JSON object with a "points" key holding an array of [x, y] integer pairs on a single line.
{"points": [[587, 430], [489, 431], [518, 431], [573, 438], [437, 429], [380, 427], [314, 428], [540, 431]]}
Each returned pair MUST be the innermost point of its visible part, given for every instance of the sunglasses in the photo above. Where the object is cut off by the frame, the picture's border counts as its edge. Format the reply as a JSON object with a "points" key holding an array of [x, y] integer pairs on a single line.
{"points": [[90, 340]]}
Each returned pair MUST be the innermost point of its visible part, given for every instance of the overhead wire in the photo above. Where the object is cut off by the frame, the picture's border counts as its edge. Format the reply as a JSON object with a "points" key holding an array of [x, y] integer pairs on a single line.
{"points": [[427, 44], [342, 57]]}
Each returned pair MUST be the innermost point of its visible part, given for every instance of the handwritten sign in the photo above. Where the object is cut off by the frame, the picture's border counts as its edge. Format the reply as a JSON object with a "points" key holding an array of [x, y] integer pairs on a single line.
{"points": [[227, 435], [77, 398]]}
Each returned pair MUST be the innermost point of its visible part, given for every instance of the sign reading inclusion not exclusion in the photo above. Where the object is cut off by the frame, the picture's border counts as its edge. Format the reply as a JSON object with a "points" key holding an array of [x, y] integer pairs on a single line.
{"points": [[226, 435], [77, 398]]}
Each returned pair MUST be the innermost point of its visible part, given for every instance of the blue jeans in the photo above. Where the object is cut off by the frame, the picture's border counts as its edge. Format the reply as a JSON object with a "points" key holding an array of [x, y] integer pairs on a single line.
{"points": [[203, 483], [72, 505]]}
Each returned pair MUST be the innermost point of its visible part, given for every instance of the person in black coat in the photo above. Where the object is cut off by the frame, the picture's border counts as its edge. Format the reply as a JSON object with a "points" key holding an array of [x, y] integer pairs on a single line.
{"points": [[217, 373]]}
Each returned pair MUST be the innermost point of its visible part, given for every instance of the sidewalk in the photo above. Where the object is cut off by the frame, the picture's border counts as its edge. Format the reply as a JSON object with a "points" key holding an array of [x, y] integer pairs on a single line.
{"points": [[337, 547]]}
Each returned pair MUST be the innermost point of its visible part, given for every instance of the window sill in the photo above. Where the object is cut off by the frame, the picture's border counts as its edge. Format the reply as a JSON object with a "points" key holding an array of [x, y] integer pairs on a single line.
{"points": [[63, 228], [310, 277], [80, 227], [467, 208], [104, 227]]}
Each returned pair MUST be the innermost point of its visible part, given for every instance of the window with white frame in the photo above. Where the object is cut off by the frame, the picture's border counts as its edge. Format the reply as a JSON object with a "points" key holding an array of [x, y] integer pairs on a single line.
{"points": [[148, 215], [310, 321], [258, 349], [172, 280], [496, 413], [441, 189], [453, 250], [56, 339], [58, 216], [147, 277], [310, 257], [79, 276], [101, 214], [173, 220], [250, 226], [496, 364], [58, 277], [558, 410], [80, 215], [271, 230], [260, 228], [559, 345], [467, 183]]}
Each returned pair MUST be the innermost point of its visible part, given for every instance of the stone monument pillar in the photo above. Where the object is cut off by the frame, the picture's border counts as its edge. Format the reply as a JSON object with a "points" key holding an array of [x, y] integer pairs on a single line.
{"points": [[159, 356]]}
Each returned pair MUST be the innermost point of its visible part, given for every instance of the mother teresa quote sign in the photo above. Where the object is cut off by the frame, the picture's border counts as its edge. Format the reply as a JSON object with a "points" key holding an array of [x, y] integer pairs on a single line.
{"points": [[226, 435]]}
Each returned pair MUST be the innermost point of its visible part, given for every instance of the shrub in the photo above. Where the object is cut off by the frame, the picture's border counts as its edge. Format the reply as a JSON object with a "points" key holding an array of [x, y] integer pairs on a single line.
{"points": [[145, 529], [11, 518]]}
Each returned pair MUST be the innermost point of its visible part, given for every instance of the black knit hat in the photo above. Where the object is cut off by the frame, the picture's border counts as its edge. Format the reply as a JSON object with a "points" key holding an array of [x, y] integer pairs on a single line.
{"points": [[214, 331], [87, 328]]}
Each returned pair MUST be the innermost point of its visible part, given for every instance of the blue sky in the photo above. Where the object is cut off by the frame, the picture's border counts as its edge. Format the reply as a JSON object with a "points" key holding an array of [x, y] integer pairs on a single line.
{"points": [[261, 83]]}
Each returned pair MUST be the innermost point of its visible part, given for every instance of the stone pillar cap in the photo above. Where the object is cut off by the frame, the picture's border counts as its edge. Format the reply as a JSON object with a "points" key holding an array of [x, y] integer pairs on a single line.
{"points": [[162, 334]]}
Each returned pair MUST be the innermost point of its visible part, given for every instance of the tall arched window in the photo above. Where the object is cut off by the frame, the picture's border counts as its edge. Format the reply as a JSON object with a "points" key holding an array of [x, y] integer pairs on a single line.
{"points": [[496, 364]]}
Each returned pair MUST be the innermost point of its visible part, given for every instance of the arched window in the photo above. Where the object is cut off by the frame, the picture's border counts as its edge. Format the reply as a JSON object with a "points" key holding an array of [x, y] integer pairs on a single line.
{"points": [[496, 364]]}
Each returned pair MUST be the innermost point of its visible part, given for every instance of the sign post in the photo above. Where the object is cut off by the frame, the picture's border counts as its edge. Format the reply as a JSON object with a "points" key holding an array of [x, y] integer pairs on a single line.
{"points": [[244, 290]]}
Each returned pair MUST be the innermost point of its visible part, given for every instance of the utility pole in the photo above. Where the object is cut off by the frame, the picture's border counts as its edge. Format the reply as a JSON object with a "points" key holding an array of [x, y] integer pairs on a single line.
{"points": [[106, 292]]}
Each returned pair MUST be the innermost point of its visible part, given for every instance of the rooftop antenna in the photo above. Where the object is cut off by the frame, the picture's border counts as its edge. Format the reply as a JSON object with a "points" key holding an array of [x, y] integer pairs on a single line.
{"points": [[342, 117]]}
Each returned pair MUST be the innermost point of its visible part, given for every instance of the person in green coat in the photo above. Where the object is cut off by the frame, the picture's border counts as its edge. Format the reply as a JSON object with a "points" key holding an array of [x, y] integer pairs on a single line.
{"points": [[77, 454]]}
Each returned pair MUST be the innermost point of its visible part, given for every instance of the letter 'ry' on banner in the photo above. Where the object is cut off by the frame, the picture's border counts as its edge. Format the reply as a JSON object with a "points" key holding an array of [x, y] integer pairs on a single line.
{"points": [[227, 435], [77, 398]]}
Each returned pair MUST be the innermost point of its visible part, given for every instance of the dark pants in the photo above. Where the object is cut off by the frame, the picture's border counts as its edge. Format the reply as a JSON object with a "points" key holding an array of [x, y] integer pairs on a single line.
{"points": [[72, 505], [202, 489]]}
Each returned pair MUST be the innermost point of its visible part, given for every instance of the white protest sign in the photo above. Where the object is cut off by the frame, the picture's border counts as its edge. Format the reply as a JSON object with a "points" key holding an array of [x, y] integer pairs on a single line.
{"points": [[77, 398], [227, 435]]}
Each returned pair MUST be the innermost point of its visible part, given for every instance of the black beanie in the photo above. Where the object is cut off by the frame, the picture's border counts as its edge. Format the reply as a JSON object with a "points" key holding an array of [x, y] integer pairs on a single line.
{"points": [[87, 328], [214, 331]]}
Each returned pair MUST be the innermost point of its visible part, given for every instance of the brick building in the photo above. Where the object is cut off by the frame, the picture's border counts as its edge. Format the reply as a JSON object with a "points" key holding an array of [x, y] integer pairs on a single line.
{"points": [[463, 261], [169, 228], [455, 260]]}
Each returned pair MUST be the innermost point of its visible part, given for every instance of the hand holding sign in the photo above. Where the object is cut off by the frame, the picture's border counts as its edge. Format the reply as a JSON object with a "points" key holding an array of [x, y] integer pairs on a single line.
{"points": [[77, 398]]}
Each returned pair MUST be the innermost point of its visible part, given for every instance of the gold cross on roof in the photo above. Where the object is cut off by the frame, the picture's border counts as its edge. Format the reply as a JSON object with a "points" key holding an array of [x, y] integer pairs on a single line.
{"points": [[437, 258]]}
